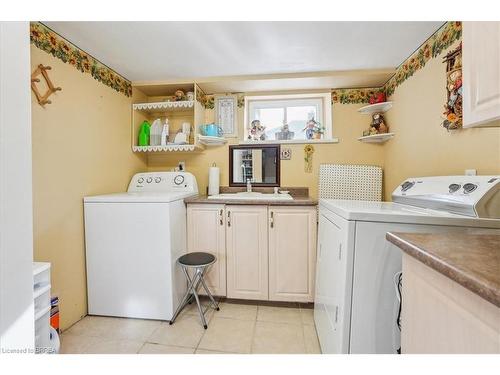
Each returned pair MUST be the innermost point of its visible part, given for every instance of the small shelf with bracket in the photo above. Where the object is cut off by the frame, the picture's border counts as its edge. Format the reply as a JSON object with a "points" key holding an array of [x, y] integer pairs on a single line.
{"points": [[375, 108], [184, 105], [376, 138], [168, 148]]}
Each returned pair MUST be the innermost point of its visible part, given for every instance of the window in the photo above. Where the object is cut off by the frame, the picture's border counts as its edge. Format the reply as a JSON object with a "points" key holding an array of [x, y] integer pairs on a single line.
{"points": [[291, 118]]}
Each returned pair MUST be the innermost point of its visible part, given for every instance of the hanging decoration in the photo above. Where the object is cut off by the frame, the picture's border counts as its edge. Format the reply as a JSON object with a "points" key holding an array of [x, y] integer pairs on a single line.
{"points": [[453, 108], [308, 158], [43, 98]]}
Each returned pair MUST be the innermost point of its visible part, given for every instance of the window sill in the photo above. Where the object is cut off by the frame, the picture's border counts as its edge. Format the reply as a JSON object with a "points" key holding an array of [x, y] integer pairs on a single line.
{"points": [[291, 141]]}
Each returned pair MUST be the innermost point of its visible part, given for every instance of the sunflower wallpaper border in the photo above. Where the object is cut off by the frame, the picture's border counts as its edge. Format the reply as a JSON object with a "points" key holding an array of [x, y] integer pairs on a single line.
{"points": [[354, 96], [49, 41], [443, 38]]}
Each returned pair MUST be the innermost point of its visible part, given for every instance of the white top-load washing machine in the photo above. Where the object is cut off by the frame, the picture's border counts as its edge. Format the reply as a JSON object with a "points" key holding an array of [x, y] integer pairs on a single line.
{"points": [[356, 305], [132, 242]]}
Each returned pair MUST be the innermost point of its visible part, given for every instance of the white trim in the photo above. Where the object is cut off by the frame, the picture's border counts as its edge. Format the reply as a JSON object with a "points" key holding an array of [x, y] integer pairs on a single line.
{"points": [[326, 114], [292, 141], [17, 329]]}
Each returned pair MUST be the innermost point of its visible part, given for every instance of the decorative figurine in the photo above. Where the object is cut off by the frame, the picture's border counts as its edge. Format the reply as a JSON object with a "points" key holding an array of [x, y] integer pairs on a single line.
{"points": [[313, 129], [179, 96], [256, 132], [284, 133], [378, 97]]}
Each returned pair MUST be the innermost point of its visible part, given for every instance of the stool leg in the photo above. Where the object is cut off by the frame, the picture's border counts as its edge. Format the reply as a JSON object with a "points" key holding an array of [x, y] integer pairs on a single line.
{"points": [[186, 297], [200, 310], [191, 297], [215, 304]]}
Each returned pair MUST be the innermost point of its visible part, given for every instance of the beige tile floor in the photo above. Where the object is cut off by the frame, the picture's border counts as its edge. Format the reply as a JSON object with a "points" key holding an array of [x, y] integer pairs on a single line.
{"points": [[236, 328]]}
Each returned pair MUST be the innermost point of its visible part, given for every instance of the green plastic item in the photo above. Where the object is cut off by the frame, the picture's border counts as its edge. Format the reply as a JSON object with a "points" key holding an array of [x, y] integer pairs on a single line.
{"points": [[144, 132]]}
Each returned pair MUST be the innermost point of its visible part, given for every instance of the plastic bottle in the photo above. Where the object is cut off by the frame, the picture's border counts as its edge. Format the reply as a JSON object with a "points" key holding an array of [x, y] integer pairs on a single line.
{"points": [[156, 128], [164, 134], [144, 133]]}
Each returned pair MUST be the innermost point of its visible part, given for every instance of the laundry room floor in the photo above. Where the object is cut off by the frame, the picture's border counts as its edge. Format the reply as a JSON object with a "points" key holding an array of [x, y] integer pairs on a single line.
{"points": [[236, 328]]}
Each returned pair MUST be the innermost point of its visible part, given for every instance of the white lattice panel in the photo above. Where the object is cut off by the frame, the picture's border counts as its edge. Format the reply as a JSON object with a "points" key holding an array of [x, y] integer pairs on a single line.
{"points": [[359, 182]]}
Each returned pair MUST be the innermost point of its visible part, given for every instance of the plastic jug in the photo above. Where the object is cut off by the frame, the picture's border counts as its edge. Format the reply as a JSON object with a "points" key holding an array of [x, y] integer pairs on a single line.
{"points": [[155, 133]]}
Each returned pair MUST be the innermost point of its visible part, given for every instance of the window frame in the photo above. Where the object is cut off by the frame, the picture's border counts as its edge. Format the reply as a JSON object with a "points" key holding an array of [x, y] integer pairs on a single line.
{"points": [[325, 113]]}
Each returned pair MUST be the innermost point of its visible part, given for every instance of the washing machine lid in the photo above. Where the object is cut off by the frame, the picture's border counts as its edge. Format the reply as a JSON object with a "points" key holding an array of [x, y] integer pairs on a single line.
{"points": [[390, 212], [143, 197]]}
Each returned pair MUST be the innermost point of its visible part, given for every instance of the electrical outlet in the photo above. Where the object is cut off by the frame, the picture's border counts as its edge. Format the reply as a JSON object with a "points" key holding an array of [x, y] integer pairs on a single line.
{"points": [[182, 166], [470, 172]]}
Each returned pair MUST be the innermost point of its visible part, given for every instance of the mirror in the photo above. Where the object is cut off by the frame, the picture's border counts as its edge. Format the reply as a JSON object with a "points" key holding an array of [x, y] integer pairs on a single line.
{"points": [[258, 163]]}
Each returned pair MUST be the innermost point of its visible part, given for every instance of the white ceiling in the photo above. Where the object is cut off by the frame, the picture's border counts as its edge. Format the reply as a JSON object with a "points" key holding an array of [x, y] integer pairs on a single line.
{"points": [[143, 51]]}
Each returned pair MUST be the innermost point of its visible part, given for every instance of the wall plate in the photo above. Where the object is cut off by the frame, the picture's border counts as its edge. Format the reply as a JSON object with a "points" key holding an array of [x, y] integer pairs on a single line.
{"points": [[286, 154]]}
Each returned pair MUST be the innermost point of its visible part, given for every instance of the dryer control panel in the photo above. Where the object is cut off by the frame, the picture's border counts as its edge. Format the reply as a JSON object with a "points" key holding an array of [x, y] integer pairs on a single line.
{"points": [[476, 196], [163, 182]]}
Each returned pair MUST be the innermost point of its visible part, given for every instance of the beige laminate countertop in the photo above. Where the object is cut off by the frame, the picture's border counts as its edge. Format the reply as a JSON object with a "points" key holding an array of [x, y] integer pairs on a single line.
{"points": [[297, 201], [300, 197], [472, 261]]}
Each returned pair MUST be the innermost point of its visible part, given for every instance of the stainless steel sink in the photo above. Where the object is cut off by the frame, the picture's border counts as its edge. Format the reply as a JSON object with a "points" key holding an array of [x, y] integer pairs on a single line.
{"points": [[254, 195]]}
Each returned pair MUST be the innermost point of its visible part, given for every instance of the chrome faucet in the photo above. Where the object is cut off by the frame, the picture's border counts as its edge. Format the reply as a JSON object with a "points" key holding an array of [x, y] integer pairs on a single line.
{"points": [[249, 185]]}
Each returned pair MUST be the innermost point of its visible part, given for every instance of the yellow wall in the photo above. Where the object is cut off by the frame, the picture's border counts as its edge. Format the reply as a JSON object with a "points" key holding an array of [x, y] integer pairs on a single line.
{"points": [[81, 146], [348, 125], [422, 147]]}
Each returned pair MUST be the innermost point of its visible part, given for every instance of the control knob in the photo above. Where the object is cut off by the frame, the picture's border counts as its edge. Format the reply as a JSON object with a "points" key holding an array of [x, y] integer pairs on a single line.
{"points": [[469, 188], [179, 179], [454, 187], [149, 180], [407, 185]]}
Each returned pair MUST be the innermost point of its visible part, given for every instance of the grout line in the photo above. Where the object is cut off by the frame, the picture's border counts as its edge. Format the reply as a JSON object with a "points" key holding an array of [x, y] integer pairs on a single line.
{"points": [[254, 329], [142, 346]]}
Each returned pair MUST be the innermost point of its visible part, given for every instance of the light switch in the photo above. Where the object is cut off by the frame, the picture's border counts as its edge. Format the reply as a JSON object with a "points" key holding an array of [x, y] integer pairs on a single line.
{"points": [[470, 172]]}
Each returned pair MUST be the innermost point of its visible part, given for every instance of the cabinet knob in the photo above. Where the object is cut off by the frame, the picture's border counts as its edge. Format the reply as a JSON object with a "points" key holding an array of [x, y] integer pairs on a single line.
{"points": [[221, 217], [228, 218], [272, 219]]}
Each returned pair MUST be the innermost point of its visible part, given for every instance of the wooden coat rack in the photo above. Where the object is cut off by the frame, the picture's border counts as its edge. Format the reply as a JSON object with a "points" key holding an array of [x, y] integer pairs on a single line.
{"points": [[43, 99]]}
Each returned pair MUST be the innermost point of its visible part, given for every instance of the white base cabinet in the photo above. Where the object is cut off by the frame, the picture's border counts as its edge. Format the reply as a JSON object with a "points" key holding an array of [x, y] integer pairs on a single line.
{"points": [[440, 316], [206, 232], [247, 252], [292, 258], [263, 253]]}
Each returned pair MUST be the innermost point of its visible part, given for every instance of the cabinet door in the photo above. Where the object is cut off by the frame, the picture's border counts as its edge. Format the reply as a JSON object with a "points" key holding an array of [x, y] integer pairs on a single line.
{"points": [[292, 253], [481, 73], [247, 255], [206, 232]]}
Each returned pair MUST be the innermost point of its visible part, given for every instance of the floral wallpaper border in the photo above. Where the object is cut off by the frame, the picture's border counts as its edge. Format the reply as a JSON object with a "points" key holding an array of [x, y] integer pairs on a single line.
{"points": [[354, 96], [443, 38], [47, 40], [432, 47]]}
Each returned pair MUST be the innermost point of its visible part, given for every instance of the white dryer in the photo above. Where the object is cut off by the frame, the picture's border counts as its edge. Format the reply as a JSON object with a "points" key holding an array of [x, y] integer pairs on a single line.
{"points": [[132, 241], [356, 306]]}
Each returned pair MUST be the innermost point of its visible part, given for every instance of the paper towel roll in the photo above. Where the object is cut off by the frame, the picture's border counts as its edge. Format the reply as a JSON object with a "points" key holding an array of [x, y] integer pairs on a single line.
{"points": [[213, 181]]}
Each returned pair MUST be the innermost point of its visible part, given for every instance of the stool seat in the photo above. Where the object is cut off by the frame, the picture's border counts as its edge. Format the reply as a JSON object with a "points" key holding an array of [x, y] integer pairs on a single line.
{"points": [[196, 259]]}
